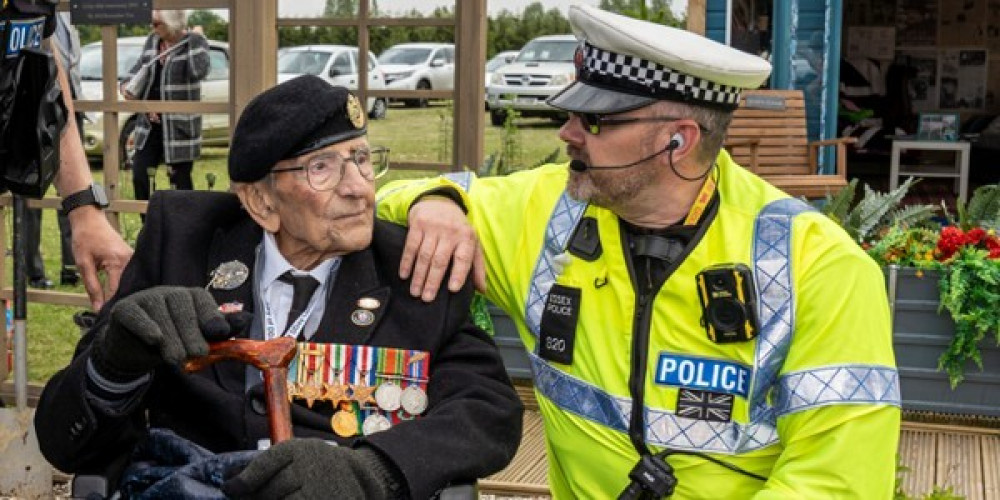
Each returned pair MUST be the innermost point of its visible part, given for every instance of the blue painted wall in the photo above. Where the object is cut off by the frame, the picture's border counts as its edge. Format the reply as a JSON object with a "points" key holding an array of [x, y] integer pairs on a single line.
{"points": [[806, 36]]}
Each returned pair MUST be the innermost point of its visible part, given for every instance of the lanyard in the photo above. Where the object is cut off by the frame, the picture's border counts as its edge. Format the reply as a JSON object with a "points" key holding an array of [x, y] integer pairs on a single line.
{"points": [[293, 330], [703, 199]]}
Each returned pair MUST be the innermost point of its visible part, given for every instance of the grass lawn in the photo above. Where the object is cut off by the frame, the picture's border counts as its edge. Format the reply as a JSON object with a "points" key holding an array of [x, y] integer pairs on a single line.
{"points": [[411, 134]]}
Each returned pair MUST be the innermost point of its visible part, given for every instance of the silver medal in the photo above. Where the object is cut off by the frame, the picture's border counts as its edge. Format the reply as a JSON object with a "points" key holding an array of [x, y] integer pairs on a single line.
{"points": [[375, 423], [387, 396], [414, 400], [229, 275]]}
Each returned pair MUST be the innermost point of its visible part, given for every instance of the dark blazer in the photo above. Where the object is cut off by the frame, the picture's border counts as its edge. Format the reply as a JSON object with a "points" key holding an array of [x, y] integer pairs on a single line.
{"points": [[471, 429]]}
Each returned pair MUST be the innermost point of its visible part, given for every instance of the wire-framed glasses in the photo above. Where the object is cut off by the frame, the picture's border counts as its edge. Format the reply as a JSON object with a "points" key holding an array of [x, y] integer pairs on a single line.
{"points": [[324, 172]]}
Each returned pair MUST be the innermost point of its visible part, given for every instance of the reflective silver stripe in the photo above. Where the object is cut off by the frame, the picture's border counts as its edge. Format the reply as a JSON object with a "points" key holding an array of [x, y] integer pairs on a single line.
{"points": [[565, 216], [842, 384], [463, 179], [773, 277], [663, 428]]}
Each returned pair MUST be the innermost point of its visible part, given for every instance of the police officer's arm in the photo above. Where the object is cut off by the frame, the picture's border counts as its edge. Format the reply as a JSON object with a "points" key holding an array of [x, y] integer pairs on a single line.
{"points": [[440, 234], [839, 425], [96, 245]]}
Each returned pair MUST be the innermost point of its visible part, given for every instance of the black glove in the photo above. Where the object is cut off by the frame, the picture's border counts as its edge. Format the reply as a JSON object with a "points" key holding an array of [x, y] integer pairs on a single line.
{"points": [[312, 468], [160, 325]]}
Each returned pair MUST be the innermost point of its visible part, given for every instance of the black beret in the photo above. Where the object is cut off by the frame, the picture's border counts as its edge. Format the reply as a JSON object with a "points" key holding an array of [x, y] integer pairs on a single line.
{"points": [[289, 120]]}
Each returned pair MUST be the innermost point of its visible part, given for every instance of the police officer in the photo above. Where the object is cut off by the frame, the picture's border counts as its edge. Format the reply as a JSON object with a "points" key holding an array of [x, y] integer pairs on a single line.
{"points": [[691, 329], [96, 245]]}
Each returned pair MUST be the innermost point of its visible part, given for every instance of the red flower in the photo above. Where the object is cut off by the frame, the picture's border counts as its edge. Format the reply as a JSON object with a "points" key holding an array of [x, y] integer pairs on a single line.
{"points": [[975, 235], [950, 240]]}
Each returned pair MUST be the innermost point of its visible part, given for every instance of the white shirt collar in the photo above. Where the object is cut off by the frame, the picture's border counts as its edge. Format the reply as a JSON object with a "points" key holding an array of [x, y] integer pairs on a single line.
{"points": [[275, 265]]}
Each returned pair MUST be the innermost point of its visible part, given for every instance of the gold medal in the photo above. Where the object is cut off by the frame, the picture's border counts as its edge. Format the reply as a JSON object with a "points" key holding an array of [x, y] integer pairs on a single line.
{"points": [[310, 392], [344, 423], [335, 393], [363, 393], [354, 111]]}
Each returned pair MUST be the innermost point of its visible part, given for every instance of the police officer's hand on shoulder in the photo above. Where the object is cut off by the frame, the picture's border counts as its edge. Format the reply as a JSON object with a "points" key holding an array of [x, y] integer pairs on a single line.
{"points": [[161, 325], [313, 468]]}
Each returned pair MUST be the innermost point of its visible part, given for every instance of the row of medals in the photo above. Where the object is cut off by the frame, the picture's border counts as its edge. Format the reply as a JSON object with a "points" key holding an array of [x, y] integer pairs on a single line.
{"points": [[388, 396]]}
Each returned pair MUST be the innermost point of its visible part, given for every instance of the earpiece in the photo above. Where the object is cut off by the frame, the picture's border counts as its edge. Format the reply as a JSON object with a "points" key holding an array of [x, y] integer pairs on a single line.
{"points": [[676, 142]]}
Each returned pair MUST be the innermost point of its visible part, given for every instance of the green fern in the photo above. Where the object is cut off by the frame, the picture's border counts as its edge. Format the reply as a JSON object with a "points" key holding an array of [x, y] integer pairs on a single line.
{"points": [[912, 215], [837, 206], [984, 205]]}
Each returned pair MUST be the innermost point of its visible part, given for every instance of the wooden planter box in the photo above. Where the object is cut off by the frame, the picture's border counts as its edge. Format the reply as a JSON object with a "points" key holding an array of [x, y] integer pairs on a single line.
{"points": [[920, 335]]}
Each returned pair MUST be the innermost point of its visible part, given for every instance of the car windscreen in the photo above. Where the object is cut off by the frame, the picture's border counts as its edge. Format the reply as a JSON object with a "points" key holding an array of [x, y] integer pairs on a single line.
{"points": [[496, 62], [91, 64], [548, 51], [303, 62], [404, 56]]}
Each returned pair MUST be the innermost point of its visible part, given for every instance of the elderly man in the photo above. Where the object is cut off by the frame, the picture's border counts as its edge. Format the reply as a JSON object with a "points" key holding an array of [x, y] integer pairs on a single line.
{"points": [[687, 323], [415, 395]]}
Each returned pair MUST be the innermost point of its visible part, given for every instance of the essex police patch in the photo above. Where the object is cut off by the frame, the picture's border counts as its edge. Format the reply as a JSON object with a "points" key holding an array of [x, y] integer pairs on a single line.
{"points": [[705, 374], [705, 405]]}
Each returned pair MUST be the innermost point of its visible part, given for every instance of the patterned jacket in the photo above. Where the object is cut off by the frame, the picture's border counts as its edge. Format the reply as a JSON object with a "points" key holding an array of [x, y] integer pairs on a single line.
{"points": [[183, 71]]}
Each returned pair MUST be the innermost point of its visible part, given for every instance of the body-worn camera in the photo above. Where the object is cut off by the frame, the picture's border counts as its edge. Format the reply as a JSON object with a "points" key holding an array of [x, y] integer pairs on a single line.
{"points": [[728, 303]]}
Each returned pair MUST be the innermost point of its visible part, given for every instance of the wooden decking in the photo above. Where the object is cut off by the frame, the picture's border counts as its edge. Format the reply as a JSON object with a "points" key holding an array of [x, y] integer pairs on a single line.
{"points": [[966, 459]]}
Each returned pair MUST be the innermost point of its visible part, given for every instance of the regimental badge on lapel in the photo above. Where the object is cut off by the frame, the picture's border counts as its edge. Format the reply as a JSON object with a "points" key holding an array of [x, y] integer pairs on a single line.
{"points": [[228, 276], [354, 111]]}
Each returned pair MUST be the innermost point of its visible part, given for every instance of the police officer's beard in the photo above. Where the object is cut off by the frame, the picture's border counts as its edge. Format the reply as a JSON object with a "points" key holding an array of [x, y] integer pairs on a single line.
{"points": [[612, 188]]}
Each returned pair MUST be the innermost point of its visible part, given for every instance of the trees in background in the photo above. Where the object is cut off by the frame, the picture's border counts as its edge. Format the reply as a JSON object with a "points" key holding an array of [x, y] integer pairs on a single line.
{"points": [[505, 31]]}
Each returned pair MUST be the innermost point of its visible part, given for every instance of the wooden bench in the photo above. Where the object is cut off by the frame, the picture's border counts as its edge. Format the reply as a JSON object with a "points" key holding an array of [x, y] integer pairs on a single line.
{"points": [[768, 137]]}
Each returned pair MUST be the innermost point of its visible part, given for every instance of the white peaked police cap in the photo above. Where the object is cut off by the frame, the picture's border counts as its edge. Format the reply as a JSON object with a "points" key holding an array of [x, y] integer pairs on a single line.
{"points": [[625, 63]]}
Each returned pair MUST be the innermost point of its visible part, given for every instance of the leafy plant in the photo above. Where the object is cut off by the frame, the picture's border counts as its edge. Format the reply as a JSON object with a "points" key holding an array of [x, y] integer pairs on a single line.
{"points": [[876, 212]]}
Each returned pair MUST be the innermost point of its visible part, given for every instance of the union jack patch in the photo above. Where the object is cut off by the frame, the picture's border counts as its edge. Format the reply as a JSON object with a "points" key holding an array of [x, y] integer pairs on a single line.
{"points": [[705, 405]]}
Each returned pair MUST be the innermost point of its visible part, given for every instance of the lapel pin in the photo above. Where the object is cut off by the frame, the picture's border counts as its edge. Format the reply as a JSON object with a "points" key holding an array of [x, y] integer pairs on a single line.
{"points": [[362, 317], [228, 276], [231, 307], [369, 303]]}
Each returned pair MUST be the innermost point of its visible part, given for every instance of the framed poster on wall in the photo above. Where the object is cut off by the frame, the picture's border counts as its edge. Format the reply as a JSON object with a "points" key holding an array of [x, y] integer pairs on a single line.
{"points": [[963, 79], [923, 86], [916, 22]]}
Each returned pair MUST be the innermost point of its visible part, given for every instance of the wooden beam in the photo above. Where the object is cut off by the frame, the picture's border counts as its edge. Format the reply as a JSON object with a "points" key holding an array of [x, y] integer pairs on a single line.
{"points": [[253, 45], [696, 16], [375, 21], [140, 106], [467, 127]]}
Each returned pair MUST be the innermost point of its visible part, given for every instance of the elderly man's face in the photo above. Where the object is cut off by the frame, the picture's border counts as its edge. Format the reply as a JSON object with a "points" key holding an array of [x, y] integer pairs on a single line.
{"points": [[312, 225]]}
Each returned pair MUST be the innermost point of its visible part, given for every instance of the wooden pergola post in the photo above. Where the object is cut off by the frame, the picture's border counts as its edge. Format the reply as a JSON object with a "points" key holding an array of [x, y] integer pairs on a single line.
{"points": [[253, 41], [470, 47], [696, 16]]}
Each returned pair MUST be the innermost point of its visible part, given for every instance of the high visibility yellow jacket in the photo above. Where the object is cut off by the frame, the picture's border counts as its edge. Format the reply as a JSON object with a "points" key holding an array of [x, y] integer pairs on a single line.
{"points": [[812, 403]]}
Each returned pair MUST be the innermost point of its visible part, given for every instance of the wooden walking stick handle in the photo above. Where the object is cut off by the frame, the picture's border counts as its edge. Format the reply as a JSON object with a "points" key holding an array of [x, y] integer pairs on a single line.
{"points": [[270, 357]]}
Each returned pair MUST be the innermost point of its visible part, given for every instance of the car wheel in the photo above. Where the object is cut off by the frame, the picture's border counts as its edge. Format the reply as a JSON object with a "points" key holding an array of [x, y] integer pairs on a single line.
{"points": [[126, 145], [497, 117], [419, 103], [379, 108]]}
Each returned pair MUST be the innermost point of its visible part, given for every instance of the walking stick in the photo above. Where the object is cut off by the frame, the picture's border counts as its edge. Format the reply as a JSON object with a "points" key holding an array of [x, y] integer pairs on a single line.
{"points": [[270, 357]]}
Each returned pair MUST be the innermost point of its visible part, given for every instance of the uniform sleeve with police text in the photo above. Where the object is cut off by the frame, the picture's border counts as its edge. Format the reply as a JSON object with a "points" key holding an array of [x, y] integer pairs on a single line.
{"points": [[838, 415]]}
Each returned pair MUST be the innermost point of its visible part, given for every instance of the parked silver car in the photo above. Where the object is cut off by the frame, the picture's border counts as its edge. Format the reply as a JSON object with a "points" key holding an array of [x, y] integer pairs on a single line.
{"points": [[214, 88], [338, 65], [542, 68], [419, 66]]}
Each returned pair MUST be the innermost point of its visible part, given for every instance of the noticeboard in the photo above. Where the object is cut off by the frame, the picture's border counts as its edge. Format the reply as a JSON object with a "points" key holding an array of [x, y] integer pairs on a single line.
{"points": [[111, 11]]}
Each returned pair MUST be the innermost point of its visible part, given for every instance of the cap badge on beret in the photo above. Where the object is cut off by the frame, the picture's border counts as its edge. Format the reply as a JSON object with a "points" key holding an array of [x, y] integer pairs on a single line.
{"points": [[354, 111]]}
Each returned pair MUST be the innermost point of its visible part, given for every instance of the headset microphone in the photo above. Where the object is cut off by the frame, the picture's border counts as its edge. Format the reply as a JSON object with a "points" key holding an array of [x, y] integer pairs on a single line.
{"points": [[580, 166]]}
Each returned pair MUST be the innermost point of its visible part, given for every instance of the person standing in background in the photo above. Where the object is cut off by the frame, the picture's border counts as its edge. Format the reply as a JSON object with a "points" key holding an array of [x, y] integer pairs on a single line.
{"points": [[66, 44], [173, 62]]}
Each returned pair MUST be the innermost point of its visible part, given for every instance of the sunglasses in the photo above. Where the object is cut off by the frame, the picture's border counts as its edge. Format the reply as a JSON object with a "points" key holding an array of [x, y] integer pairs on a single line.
{"points": [[592, 122]]}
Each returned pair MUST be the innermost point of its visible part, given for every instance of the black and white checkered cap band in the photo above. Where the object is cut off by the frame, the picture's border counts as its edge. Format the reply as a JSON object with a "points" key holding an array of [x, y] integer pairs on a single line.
{"points": [[634, 75]]}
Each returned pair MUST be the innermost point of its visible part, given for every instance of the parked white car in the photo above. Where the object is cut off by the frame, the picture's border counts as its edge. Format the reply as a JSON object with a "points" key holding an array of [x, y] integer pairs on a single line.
{"points": [[338, 65], [501, 59], [214, 88], [423, 66], [541, 69]]}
